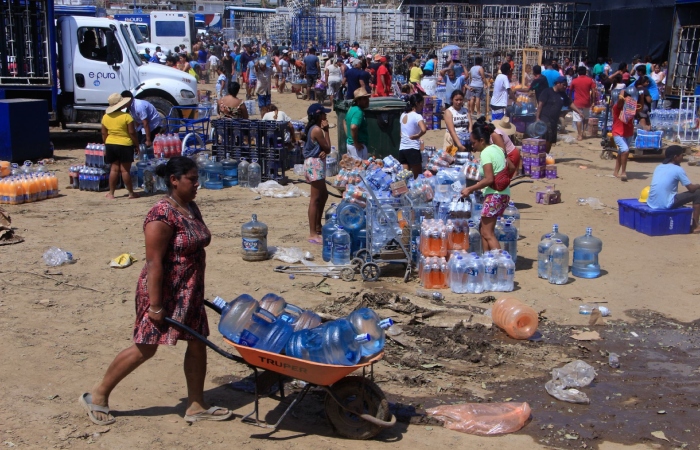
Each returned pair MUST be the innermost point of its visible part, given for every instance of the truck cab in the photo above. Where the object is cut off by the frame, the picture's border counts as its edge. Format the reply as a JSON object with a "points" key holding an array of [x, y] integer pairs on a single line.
{"points": [[97, 57], [171, 28]]}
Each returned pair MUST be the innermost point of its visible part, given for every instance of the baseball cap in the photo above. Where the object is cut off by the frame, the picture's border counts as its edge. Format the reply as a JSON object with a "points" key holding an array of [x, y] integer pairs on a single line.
{"points": [[355, 44], [382, 59], [377, 57], [672, 152], [316, 108], [560, 80]]}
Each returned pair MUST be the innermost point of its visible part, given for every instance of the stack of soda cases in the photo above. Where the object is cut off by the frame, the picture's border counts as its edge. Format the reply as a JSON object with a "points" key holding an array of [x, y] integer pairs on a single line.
{"points": [[429, 111], [534, 158], [94, 175]]}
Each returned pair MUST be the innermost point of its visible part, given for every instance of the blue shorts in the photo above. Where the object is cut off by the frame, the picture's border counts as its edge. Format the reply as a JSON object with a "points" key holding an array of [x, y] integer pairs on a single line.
{"points": [[264, 100], [623, 143]]}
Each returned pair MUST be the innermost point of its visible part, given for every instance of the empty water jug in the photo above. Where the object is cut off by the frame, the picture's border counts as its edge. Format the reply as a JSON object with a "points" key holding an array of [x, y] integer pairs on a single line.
{"points": [[350, 216], [555, 234], [586, 250], [366, 321], [543, 255], [243, 173], [243, 322], [558, 266], [254, 174], [334, 342], [297, 317]]}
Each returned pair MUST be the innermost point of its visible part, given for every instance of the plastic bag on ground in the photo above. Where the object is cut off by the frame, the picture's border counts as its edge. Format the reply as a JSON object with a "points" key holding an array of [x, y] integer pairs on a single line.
{"points": [[483, 419], [289, 255], [271, 188], [54, 257], [122, 261], [575, 374]]}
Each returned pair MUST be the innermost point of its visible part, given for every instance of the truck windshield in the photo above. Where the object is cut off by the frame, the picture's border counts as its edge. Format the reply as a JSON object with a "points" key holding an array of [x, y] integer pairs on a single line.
{"points": [[138, 37], [132, 49]]}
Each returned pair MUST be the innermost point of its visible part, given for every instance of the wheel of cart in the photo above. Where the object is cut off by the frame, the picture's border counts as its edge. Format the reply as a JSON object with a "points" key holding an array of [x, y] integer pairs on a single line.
{"points": [[355, 406], [191, 124]]}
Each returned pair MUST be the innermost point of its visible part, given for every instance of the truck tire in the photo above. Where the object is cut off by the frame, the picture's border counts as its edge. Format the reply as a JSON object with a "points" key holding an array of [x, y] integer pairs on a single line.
{"points": [[162, 105]]}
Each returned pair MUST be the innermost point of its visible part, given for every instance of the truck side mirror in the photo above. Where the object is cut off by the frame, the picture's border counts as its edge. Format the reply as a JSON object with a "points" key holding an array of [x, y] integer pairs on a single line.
{"points": [[113, 51]]}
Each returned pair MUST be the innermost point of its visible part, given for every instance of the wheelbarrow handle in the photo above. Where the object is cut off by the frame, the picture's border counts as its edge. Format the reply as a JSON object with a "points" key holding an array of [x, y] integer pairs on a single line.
{"points": [[206, 341]]}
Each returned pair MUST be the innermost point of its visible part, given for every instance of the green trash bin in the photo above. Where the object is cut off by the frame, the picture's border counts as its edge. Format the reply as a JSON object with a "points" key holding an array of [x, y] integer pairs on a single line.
{"points": [[383, 125]]}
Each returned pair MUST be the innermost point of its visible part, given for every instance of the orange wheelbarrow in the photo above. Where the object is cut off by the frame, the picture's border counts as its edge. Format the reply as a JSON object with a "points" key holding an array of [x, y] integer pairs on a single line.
{"points": [[355, 406]]}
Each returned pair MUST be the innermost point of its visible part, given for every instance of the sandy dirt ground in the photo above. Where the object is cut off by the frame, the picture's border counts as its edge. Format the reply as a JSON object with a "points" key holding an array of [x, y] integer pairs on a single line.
{"points": [[62, 327]]}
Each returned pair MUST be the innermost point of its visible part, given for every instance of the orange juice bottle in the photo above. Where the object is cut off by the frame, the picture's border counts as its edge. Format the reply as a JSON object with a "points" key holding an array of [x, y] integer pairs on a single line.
{"points": [[33, 189], [19, 192], [41, 180], [4, 199], [54, 185]]}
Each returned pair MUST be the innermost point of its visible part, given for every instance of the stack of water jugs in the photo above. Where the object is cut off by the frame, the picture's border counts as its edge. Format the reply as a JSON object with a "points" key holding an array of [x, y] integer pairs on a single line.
{"points": [[553, 256], [344, 232], [274, 325], [215, 174]]}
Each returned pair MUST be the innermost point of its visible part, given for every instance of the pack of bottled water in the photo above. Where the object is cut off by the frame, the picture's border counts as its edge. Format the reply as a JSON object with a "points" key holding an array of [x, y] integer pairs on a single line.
{"points": [[469, 273]]}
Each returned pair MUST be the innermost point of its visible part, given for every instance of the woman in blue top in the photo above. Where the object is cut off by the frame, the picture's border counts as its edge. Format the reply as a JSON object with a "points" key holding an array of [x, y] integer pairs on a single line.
{"points": [[493, 161], [318, 145], [430, 65]]}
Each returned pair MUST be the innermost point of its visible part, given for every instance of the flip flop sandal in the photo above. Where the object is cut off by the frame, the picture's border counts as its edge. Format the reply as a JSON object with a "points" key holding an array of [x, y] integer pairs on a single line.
{"points": [[314, 241], [85, 401], [208, 415]]}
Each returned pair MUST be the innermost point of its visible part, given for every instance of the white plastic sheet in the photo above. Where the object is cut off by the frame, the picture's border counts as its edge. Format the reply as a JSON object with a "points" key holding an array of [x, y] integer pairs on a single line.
{"points": [[272, 188]]}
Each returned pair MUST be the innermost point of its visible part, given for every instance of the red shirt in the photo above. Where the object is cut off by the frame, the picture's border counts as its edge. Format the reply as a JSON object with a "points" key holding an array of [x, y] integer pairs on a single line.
{"points": [[619, 127], [383, 81], [581, 86]]}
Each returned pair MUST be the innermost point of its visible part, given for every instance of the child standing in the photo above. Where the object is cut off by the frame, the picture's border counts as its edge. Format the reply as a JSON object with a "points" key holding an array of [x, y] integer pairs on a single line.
{"points": [[622, 135]]}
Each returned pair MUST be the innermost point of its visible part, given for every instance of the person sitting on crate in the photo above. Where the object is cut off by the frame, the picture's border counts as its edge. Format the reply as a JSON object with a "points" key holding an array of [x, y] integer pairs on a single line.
{"points": [[232, 107], [663, 193], [280, 116]]}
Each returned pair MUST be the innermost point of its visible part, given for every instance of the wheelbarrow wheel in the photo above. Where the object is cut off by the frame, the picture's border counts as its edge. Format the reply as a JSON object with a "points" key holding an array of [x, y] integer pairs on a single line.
{"points": [[370, 271], [347, 274], [356, 264], [363, 396]]}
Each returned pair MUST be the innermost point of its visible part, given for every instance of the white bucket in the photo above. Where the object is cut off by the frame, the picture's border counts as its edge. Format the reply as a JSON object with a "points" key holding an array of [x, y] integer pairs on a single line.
{"points": [[429, 85]]}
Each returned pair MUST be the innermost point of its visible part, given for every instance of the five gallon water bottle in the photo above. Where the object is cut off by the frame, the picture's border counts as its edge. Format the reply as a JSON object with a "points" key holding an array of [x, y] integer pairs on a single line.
{"points": [[586, 250], [340, 253], [245, 323], [558, 266], [511, 213], [508, 239], [243, 173], [515, 318], [350, 216], [505, 273], [474, 239], [327, 231], [334, 342], [543, 255], [557, 235], [298, 318], [366, 321], [330, 211], [254, 174]]}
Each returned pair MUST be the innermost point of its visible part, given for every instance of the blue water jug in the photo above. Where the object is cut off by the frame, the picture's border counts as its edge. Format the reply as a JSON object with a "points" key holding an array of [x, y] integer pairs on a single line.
{"points": [[350, 216], [474, 239], [327, 231], [340, 253], [334, 342], [359, 240], [366, 321], [508, 239], [586, 250], [245, 323], [230, 171]]}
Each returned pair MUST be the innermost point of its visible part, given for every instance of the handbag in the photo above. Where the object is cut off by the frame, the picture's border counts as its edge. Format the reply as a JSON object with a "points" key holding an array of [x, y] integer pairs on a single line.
{"points": [[501, 180]]}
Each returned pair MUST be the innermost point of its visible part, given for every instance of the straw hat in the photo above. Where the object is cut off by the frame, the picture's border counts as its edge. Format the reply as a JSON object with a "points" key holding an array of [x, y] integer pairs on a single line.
{"points": [[116, 102], [504, 125], [360, 92]]}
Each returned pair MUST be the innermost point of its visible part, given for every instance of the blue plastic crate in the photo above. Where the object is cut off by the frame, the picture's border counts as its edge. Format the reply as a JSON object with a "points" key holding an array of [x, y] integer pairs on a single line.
{"points": [[654, 222]]}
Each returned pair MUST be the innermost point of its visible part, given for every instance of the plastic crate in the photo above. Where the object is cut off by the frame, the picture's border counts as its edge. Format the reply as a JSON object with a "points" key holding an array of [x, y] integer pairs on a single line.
{"points": [[654, 222]]}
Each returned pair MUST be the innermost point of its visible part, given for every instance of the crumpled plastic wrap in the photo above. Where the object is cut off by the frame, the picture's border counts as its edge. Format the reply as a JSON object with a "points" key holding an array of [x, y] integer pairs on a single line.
{"points": [[289, 255], [271, 188], [575, 374], [122, 261], [483, 419]]}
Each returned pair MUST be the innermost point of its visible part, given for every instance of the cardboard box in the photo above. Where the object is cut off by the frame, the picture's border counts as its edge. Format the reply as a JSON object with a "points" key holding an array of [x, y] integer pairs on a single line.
{"points": [[398, 188], [548, 196]]}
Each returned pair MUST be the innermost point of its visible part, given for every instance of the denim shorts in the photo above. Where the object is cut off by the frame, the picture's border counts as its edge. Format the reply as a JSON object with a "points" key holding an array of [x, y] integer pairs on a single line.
{"points": [[623, 143], [264, 100]]}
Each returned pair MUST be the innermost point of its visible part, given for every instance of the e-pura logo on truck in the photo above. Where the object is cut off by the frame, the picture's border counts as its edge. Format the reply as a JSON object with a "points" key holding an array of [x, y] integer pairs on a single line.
{"points": [[98, 75]]}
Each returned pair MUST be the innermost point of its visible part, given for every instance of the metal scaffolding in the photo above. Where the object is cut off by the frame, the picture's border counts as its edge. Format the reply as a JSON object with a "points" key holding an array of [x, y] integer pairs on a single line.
{"points": [[683, 77], [25, 52]]}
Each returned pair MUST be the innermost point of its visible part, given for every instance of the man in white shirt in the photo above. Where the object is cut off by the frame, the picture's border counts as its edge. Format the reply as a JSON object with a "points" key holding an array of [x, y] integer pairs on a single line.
{"points": [[358, 50], [501, 93], [147, 120], [264, 85]]}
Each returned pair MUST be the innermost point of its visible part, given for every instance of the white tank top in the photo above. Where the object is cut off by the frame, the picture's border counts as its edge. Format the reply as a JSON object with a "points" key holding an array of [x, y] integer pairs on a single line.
{"points": [[334, 73], [460, 119], [476, 80]]}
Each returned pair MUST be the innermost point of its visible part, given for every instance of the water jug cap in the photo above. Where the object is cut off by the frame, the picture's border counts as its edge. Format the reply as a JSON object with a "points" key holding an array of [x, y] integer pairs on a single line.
{"points": [[363, 337], [507, 257], [459, 257], [558, 241], [340, 227], [548, 235], [386, 323], [255, 217], [589, 230]]}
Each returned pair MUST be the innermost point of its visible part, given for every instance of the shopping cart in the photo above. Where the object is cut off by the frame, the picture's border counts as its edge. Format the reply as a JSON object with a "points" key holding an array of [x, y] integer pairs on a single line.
{"points": [[191, 124], [392, 245], [355, 406]]}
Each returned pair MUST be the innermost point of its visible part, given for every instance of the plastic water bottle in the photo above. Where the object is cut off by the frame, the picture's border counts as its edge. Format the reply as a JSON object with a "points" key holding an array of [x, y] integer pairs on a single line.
{"points": [[245, 323], [586, 250], [458, 275], [490, 272], [474, 239], [327, 231], [543, 255], [243, 173], [477, 206], [557, 235], [340, 253], [558, 267], [587, 309], [514, 317], [334, 342], [511, 213], [475, 276], [509, 239], [254, 174], [506, 274], [55, 256], [366, 321]]}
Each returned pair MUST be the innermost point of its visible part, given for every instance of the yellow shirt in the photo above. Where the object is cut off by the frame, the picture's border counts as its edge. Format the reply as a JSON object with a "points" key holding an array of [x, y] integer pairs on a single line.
{"points": [[416, 74], [117, 128]]}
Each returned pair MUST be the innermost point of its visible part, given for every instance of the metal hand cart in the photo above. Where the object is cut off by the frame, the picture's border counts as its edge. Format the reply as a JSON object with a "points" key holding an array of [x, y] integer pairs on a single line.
{"points": [[355, 406], [394, 248], [191, 124], [344, 272]]}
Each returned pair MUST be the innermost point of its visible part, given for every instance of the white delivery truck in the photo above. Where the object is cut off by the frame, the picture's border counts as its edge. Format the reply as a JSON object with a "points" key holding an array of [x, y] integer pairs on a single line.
{"points": [[171, 28]]}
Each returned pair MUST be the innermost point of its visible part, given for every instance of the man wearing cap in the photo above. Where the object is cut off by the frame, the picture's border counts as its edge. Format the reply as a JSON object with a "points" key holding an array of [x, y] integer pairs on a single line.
{"points": [[147, 120], [663, 193], [356, 78], [356, 123], [312, 67], [549, 108], [383, 79]]}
